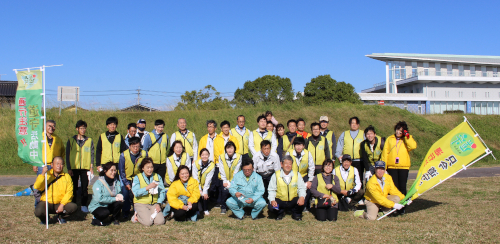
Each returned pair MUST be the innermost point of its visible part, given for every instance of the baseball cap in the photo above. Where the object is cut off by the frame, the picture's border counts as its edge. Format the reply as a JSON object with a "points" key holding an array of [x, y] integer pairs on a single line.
{"points": [[346, 157], [141, 121], [380, 164], [323, 118]]}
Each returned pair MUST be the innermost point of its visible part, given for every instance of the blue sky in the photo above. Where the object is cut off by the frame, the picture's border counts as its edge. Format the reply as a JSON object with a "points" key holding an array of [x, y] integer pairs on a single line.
{"points": [[175, 46]]}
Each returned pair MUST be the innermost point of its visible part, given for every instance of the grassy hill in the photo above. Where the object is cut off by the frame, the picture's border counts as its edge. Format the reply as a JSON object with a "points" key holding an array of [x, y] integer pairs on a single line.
{"points": [[426, 129]]}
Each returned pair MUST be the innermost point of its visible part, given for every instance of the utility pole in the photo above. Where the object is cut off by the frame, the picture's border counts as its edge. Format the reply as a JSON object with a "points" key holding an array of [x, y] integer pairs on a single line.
{"points": [[138, 95]]}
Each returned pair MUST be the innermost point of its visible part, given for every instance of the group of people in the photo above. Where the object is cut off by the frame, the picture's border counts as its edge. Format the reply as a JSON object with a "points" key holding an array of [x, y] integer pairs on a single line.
{"points": [[238, 169]]}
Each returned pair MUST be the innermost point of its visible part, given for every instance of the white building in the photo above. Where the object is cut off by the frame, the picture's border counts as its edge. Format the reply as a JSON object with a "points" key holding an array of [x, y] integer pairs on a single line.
{"points": [[435, 83]]}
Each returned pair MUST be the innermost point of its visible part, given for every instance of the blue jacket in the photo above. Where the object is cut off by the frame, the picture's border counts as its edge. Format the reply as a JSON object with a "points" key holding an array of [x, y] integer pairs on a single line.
{"points": [[253, 188], [101, 196], [139, 192]]}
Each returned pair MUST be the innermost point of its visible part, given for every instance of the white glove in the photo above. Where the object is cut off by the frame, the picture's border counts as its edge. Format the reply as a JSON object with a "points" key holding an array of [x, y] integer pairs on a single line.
{"points": [[368, 174], [119, 198], [398, 206], [409, 202]]}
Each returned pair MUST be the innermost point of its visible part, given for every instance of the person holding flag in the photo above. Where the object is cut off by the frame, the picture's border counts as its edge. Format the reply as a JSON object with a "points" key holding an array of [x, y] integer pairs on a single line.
{"points": [[396, 154], [381, 193]]}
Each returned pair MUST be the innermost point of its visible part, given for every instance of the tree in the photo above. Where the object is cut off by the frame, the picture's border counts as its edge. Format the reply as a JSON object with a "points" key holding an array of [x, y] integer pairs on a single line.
{"points": [[207, 98], [268, 89], [324, 88]]}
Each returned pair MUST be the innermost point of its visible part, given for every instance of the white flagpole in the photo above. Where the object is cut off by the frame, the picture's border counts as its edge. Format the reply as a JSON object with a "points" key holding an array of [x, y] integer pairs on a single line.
{"points": [[488, 149], [45, 145]]}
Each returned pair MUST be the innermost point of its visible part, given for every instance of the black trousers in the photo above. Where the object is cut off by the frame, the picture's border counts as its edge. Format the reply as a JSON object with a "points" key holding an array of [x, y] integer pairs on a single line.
{"points": [[330, 214], [400, 178], [283, 206], [307, 202], [266, 184], [182, 215], [103, 212], [203, 204], [223, 196], [82, 175], [161, 170], [360, 167]]}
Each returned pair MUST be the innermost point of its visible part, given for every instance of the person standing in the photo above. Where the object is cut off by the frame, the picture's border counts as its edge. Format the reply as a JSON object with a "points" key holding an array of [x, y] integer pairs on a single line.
{"points": [[141, 130], [242, 134], [349, 143], [131, 132], [187, 138], [301, 126], [207, 141], [396, 154], [266, 163], [285, 143], [304, 165], [329, 135], [318, 146], [270, 117], [55, 146], [155, 143], [79, 161], [223, 138], [371, 151], [259, 135], [110, 144]]}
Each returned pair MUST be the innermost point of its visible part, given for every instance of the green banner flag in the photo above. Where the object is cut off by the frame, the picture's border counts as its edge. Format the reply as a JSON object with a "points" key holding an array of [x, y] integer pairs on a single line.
{"points": [[29, 122]]}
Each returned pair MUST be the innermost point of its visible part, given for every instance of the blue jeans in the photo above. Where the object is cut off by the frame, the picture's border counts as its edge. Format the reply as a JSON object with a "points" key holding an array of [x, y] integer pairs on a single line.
{"points": [[127, 201]]}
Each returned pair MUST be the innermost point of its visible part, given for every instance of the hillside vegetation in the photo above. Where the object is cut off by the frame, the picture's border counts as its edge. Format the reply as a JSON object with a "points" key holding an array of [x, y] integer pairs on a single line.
{"points": [[426, 129]]}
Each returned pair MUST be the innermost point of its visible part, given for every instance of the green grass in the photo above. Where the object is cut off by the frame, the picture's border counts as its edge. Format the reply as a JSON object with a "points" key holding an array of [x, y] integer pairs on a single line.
{"points": [[426, 129], [461, 210]]}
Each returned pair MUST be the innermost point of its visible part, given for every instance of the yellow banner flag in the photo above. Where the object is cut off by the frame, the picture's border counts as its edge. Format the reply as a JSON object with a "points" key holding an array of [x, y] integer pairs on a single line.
{"points": [[448, 155]]}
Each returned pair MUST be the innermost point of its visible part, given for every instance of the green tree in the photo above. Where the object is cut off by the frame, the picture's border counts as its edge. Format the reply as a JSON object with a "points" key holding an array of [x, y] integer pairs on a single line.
{"points": [[268, 89], [207, 98], [324, 88]]}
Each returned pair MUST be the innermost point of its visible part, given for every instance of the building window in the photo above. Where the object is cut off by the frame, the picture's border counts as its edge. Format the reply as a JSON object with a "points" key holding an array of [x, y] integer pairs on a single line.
{"points": [[472, 70], [426, 68], [460, 70], [483, 71], [495, 72], [438, 69], [449, 69], [413, 69]]}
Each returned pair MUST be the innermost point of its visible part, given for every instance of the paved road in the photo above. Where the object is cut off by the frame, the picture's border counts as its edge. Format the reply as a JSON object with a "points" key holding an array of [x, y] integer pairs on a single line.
{"points": [[472, 172]]}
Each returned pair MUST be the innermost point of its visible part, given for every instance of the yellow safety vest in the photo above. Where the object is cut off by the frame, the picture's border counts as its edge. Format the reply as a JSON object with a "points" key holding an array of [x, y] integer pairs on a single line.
{"points": [[186, 142], [330, 143], [110, 152], [286, 142], [202, 176], [174, 166], [376, 155], [350, 178], [80, 157], [286, 192], [257, 139], [351, 145], [132, 168], [230, 171], [243, 140], [158, 152], [303, 166], [318, 152], [322, 187], [146, 199]]}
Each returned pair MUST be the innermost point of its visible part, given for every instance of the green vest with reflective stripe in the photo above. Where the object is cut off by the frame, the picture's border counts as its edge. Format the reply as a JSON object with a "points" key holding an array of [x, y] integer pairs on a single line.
{"points": [[80, 157]]}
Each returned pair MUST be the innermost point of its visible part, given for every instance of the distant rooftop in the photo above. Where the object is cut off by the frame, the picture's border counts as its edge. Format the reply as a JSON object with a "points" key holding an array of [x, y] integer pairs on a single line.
{"points": [[8, 88], [471, 59]]}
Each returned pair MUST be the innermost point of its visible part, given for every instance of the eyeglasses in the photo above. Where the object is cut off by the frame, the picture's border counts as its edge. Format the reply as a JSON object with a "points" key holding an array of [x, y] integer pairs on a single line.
{"points": [[247, 170]]}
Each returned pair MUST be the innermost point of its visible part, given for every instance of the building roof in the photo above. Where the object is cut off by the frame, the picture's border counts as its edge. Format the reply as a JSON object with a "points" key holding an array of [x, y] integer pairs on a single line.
{"points": [[139, 107], [8, 88], [451, 58]]}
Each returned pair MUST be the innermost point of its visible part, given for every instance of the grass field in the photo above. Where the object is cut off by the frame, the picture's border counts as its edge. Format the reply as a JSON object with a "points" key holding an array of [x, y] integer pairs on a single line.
{"points": [[461, 210], [426, 129]]}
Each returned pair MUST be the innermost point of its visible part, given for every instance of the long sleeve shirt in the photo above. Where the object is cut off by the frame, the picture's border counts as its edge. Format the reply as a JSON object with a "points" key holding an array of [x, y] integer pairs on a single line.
{"points": [[357, 181], [121, 166], [251, 141], [335, 189], [273, 185], [266, 166], [195, 142], [310, 163], [333, 146], [111, 138], [207, 142], [253, 187], [80, 143], [139, 192], [280, 148], [147, 142], [340, 143], [177, 161], [203, 189], [230, 162], [315, 142]]}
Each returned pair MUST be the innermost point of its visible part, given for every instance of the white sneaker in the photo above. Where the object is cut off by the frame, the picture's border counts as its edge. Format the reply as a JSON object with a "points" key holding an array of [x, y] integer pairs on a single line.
{"points": [[84, 209], [134, 218], [347, 200], [361, 202], [206, 213]]}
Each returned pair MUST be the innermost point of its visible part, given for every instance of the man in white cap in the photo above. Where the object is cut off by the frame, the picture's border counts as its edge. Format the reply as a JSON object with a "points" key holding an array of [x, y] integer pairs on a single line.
{"points": [[328, 134]]}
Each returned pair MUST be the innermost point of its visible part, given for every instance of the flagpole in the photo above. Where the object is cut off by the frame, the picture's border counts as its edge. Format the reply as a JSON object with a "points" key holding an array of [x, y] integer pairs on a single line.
{"points": [[466, 120], [45, 143]]}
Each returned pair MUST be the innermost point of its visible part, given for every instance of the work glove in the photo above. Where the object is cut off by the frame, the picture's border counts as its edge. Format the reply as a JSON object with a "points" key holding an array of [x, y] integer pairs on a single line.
{"points": [[405, 132], [398, 206], [409, 202], [368, 175], [119, 198]]}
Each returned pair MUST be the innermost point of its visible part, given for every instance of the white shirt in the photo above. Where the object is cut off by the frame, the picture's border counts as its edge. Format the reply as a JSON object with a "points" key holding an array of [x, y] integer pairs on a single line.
{"points": [[210, 146], [208, 180], [194, 145], [229, 164], [177, 161], [251, 143], [345, 173], [269, 166], [310, 163]]}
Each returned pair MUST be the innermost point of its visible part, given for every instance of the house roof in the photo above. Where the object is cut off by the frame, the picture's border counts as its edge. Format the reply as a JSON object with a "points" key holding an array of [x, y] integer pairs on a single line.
{"points": [[139, 107], [451, 58], [8, 88]]}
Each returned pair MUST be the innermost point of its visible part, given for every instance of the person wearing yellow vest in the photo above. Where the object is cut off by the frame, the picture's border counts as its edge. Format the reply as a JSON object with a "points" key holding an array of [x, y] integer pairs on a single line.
{"points": [[301, 125], [371, 151], [396, 154], [156, 143], [55, 146], [280, 132], [242, 134], [229, 165], [58, 195], [183, 195], [128, 167], [326, 186], [349, 143], [381, 194], [285, 143], [222, 139], [107, 198], [259, 135], [109, 145], [203, 172], [287, 191], [266, 163], [318, 146], [207, 141], [304, 165], [131, 133], [329, 135], [149, 194], [270, 126], [79, 161], [177, 156], [187, 138], [350, 184]]}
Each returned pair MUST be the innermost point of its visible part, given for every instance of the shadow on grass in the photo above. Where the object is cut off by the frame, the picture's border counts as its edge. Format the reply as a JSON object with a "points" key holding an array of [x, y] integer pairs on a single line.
{"points": [[421, 204]]}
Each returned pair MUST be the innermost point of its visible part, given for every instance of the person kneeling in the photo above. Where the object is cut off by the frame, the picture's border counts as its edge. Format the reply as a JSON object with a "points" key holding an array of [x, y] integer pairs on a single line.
{"points": [[246, 191], [58, 195], [381, 193], [350, 184], [183, 195], [286, 190], [107, 198], [149, 194], [325, 188]]}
